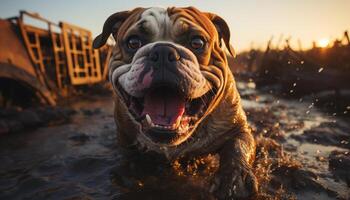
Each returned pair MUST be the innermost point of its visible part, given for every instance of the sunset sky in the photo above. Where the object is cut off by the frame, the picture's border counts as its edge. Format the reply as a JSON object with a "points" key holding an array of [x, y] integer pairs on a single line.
{"points": [[252, 22]]}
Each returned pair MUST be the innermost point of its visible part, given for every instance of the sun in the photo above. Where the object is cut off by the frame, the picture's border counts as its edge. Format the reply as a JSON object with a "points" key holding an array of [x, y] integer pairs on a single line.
{"points": [[324, 42]]}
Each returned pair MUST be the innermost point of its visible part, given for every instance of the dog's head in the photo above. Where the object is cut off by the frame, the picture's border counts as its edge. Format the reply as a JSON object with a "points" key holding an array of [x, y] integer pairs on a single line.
{"points": [[168, 69]]}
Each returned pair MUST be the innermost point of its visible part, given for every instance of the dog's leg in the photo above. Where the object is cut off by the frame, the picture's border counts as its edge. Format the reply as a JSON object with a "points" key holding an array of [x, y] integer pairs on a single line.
{"points": [[234, 179]]}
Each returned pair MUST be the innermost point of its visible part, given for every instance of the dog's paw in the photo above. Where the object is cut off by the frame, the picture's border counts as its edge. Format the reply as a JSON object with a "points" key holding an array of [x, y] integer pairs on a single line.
{"points": [[234, 183]]}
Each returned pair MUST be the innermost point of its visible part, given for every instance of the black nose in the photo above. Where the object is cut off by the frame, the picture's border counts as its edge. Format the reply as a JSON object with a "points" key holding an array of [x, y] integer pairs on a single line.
{"points": [[163, 54]]}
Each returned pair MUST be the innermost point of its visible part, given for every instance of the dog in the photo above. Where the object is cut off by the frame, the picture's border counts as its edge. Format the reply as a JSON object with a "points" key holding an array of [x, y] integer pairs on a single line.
{"points": [[175, 94]]}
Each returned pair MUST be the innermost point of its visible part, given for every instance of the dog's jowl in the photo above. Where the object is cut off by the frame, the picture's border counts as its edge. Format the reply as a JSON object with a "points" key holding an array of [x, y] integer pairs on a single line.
{"points": [[175, 94]]}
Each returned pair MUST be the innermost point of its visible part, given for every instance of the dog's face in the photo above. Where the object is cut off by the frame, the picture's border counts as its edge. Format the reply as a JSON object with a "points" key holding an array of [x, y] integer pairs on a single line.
{"points": [[168, 69]]}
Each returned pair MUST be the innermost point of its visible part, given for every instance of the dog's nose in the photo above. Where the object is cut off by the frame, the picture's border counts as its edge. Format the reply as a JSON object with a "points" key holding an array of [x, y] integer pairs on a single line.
{"points": [[163, 54]]}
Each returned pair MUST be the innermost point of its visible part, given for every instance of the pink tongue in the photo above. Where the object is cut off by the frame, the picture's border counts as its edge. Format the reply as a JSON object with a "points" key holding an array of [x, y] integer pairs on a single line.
{"points": [[163, 106]]}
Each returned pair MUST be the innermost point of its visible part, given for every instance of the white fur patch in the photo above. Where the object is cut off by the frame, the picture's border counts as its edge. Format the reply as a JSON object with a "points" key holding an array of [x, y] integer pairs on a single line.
{"points": [[157, 21]]}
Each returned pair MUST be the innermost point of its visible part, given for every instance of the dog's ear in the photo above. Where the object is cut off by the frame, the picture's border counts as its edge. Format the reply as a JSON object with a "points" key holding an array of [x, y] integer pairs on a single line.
{"points": [[111, 25], [223, 30]]}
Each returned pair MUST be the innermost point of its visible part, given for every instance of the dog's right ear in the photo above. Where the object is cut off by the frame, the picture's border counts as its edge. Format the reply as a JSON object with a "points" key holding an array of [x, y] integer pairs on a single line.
{"points": [[223, 31], [111, 25]]}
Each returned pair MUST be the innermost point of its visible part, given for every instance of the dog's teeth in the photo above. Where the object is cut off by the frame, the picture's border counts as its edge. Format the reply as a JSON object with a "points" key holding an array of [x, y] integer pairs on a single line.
{"points": [[163, 126], [149, 120]]}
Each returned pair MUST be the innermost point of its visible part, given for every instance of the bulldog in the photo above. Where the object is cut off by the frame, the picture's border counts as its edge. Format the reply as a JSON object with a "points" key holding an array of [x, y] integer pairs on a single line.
{"points": [[175, 94]]}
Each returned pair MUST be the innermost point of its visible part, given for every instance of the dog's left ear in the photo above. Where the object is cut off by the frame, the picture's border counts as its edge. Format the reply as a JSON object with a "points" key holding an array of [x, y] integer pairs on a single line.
{"points": [[111, 25], [223, 30]]}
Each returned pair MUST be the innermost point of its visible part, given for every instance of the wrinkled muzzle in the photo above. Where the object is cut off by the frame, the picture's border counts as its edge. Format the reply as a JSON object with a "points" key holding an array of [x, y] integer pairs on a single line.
{"points": [[164, 90]]}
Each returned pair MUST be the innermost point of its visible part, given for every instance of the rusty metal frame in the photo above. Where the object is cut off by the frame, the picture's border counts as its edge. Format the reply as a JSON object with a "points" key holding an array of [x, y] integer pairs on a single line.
{"points": [[61, 54], [80, 63], [60, 61], [83, 61], [35, 46], [36, 59]]}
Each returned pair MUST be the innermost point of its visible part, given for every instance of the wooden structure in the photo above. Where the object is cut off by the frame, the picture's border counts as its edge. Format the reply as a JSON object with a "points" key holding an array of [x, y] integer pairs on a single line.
{"points": [[56, 57]]}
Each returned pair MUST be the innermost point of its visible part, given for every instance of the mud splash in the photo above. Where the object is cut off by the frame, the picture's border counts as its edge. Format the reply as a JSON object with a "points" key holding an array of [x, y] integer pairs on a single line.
{"points": [[302, 154], [296, 145]]}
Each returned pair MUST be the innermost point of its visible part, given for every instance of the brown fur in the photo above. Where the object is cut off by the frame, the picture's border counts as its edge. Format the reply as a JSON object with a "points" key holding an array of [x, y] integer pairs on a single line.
{"points": [[223, 129]]}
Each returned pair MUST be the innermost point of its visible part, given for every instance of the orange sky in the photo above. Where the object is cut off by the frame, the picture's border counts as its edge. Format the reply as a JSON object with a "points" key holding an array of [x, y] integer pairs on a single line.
{"points": [[251, 22]]}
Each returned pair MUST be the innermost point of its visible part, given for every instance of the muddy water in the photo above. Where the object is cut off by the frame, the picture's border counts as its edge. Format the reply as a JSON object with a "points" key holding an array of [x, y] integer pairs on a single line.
{"points": [[65, 161], [298, 123], [80, 159]]}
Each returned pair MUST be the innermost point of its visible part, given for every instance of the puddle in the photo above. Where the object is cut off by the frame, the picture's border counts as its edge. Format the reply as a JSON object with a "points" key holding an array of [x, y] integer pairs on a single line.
{"points": [[80, 159]]}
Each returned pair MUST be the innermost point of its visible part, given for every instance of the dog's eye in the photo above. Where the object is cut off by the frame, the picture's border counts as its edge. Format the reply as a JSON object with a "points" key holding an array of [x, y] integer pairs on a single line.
{"points": [[197, 42], [134, 43]]}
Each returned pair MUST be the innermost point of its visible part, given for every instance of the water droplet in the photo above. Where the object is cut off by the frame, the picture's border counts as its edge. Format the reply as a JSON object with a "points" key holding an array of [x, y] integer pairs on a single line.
{"points": [[291, 91], [140, 184], [251, 85], [302, 62], [307, 112], [288, 62], [344, 142], [320, 70], [294, 84]]}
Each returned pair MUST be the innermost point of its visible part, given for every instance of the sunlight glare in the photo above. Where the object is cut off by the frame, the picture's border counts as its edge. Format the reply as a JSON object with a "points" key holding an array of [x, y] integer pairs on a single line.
{"points": [[324, 42]]}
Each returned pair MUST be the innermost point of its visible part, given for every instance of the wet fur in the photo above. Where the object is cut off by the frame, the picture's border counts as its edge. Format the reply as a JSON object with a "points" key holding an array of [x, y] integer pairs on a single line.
{"points": [[224, 130]]}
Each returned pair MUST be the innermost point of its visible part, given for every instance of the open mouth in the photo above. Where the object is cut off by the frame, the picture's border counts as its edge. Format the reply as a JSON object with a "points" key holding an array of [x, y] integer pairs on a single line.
{"points": [[165, 113]]}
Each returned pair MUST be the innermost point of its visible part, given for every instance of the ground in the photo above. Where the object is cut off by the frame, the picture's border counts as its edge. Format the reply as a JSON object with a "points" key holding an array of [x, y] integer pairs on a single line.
{"points": [[302, 153]]}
